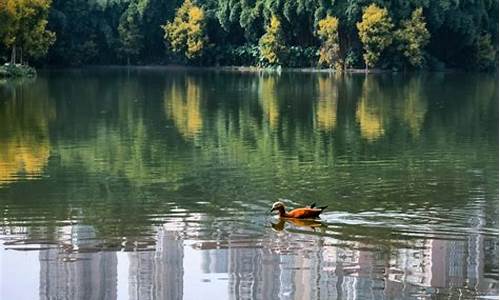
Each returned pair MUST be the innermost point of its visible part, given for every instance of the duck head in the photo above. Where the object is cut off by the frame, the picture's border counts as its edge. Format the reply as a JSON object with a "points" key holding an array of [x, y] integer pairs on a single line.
{"points": [[278, 206]]}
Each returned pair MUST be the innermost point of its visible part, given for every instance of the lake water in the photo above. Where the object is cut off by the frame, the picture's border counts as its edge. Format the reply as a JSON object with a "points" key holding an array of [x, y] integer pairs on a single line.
{"points": [[157, 184]]}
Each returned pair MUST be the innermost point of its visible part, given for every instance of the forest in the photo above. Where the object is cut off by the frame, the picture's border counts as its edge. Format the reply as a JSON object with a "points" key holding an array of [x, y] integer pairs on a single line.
{"points": [[338, 34]]}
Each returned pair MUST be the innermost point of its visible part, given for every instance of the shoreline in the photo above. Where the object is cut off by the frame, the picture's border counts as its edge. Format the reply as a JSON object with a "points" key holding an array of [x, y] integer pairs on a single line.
{"points": [[8, 70], [248, 69]]}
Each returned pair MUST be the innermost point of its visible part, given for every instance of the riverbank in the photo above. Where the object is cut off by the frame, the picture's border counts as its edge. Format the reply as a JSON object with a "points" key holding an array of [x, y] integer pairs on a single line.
{"points": [[249, 69], [16, 70], [240, 69], [300, 70]]}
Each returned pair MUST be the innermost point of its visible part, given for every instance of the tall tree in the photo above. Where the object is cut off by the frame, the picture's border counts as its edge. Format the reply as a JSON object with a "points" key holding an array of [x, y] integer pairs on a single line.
{"points": [[186, 33], [131, 38], [485, 56], [26, 28], [329, 52], [412, 37], [272, 45], [375, 32]]}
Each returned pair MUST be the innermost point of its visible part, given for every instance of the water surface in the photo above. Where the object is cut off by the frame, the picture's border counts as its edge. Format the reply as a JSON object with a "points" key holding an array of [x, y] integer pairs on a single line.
{"points": [[156, 184]]}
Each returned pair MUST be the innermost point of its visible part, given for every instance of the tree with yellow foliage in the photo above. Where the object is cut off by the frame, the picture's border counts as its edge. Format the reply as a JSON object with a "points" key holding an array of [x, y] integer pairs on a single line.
{"points": [[412, 37], [272, 44], [375, 32], [186, 33], [24, 25], [329, 53]]}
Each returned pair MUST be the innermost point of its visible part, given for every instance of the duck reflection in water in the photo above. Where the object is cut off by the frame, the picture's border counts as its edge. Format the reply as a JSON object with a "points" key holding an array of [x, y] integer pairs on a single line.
{"points": [[300, 223]]}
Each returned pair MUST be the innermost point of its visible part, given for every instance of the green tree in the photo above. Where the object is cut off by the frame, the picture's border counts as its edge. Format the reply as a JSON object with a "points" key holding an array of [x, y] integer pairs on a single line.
{"points": [[329, 52], [108, 31], [272, 44], [26, 28], [186, 33], [485, 56], [131, 38], [412, 38], [375, 32]]}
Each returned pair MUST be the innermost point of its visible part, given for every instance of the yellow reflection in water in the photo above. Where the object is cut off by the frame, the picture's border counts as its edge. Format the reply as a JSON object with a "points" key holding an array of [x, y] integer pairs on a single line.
{"points": [[25, 113], [269, 100], [326, 112], [183, 106], [369, 112], [414, 107]]}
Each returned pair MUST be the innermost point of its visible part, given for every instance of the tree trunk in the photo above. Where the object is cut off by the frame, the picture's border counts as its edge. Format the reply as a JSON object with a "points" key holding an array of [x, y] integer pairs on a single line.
{"points": [[21, 55], [13, 55], [128, 60]]}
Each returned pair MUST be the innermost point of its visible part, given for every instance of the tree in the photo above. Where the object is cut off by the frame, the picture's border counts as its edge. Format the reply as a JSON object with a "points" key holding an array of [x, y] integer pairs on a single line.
{"points": [[26, 22], [375, 33], [412, 37], [131, 38], [186, 33], [329, 53], [271, 44], [485, 56]]}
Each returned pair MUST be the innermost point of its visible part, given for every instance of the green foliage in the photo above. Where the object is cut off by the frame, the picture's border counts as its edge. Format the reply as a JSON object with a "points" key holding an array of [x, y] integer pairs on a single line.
{"points": [[246, 55], [186, 33], [85, 33], [301, 57], [272, 44], [12, 70], [25, 27], [447, 33], [329, 52], [375, 32], [412, 37], [485, 56], [353, 59], [131, 38]]}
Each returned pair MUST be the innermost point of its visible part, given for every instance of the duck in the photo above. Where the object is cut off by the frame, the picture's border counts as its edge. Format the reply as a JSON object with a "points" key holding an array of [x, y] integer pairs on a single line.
{"points": [[310, 212]]}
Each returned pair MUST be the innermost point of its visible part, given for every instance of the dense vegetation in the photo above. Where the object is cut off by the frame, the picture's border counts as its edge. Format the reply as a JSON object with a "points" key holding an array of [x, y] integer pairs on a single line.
{"points": [[298, 33]]}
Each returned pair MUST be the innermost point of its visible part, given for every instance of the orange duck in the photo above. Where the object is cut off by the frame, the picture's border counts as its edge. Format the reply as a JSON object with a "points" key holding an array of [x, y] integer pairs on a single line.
{"points": [[310, 212]]}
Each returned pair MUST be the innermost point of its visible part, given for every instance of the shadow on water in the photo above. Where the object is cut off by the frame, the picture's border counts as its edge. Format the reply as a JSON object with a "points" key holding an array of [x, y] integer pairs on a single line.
{"points": [[166, 177]]}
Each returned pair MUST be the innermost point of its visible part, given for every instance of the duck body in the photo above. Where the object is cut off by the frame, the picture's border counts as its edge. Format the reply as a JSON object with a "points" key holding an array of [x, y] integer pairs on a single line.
{"points": [[311, 212]]}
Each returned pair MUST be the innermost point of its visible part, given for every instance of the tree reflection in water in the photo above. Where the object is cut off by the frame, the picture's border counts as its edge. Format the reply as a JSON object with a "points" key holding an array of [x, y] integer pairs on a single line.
{"points": [[153, 184]]}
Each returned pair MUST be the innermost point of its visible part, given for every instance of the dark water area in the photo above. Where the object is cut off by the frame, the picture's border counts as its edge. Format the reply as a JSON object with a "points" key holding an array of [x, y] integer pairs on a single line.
{"points": [[157, 184]]}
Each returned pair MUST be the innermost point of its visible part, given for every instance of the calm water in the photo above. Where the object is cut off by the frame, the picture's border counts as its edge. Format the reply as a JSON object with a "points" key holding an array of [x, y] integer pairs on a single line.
{"points": [[157, 184]]}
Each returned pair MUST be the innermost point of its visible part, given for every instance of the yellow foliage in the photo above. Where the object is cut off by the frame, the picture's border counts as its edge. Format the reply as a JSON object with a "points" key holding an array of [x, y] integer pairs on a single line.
{"points": [[413, 37], [186, 33], [329, 53], [375, 33], [271, 43], [196, 15], [25, 23]]}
